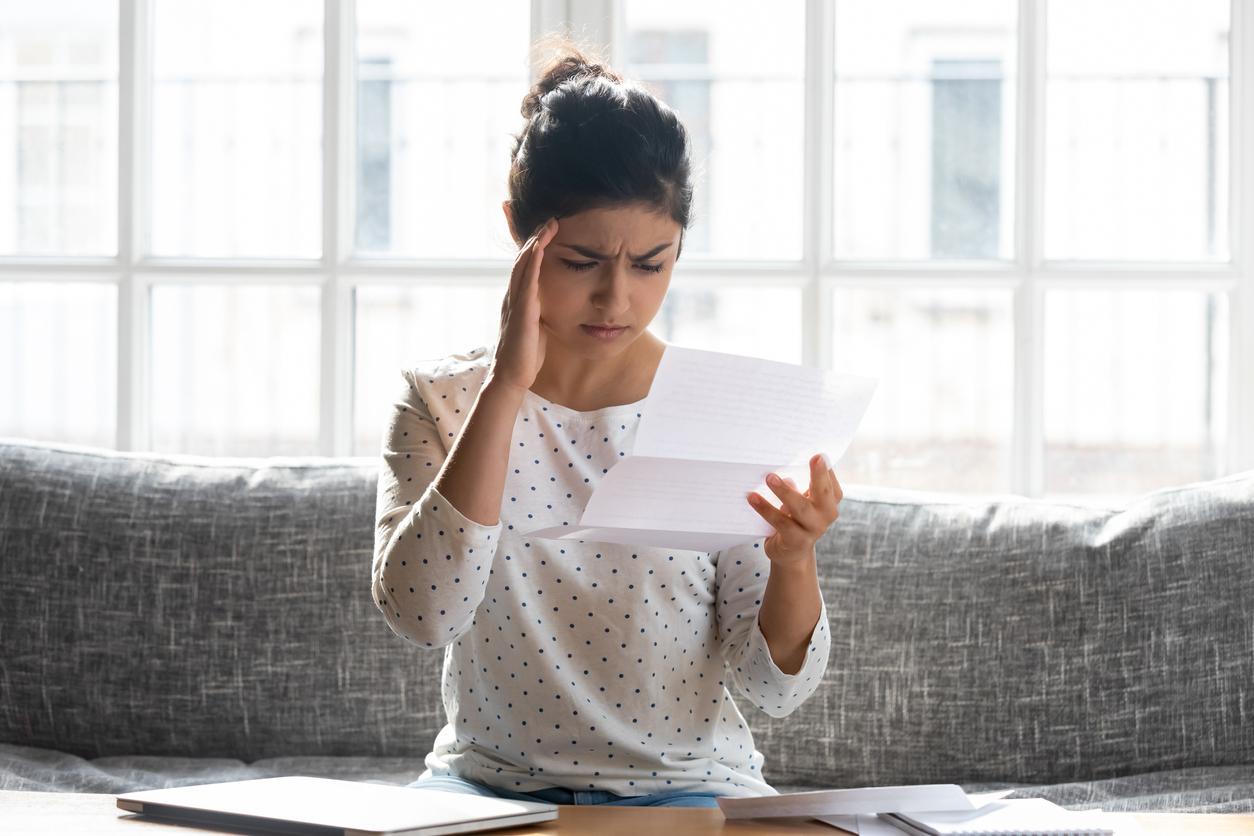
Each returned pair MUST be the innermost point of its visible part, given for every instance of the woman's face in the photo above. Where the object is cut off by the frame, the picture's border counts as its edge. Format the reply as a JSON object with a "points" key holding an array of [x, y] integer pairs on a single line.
{"points": [[609, 265]]}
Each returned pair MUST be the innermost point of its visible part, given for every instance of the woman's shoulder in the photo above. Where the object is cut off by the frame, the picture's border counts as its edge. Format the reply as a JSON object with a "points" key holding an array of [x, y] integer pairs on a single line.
{"points": [[451, 375], [450, 365]]}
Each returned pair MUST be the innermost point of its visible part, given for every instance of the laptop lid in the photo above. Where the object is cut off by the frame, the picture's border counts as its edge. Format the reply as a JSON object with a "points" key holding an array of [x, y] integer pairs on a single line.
{"points": [[301, 804]]}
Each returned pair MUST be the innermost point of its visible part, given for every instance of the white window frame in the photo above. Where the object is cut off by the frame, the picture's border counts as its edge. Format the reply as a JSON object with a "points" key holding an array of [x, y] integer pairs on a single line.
{"points": [[1029, 274], [339, 271]]}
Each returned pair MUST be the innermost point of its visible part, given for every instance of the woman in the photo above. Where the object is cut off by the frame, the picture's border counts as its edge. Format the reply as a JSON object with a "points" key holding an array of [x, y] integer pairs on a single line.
{"points": [[584, 672]]}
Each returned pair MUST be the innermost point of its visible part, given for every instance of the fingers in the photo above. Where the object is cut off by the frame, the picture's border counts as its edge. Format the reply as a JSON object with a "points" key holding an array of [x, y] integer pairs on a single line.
{"points": [[823, 485], [543, 236], [527, 263], [819, 483], [525, 257], [777, 518], [802, 509], [814, 510]]}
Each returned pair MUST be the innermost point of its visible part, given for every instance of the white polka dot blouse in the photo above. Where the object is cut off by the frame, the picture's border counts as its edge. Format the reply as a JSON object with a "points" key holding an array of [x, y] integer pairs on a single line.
{"points": [[569, 663]]}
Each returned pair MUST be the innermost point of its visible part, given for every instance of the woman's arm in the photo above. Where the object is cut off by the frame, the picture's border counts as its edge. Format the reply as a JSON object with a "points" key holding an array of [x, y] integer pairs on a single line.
{"points": [[473, 475], [790, 612], [743, 576], [431, 560]]}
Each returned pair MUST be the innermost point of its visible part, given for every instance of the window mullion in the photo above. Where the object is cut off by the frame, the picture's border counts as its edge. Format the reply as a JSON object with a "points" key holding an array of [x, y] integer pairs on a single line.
{"points": [[591, 23], [1027, 433], [816, 185], [1240, 442], [133, 423], [546, 16], [336, 372]]}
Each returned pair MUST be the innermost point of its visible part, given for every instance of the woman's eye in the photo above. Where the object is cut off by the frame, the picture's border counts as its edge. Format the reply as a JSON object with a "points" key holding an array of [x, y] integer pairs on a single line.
{"points": [[588, 265]]}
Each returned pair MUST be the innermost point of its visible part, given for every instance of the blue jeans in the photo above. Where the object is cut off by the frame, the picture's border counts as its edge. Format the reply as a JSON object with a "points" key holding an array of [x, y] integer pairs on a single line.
{"points": [[561, 795]]}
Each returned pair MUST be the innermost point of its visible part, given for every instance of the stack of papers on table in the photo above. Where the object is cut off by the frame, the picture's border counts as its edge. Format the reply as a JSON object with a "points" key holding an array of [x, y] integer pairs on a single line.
{"points": [[1008, 816], [932, 809]]}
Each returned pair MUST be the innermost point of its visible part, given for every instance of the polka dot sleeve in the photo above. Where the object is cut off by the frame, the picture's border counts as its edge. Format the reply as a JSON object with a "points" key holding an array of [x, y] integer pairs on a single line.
{"points": [[741, 575], [431, 562]]}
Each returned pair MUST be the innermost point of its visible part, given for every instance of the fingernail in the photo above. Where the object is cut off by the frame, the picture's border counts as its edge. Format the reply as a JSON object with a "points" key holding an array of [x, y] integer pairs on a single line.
{"points": [[826, 460], [772, 479]]}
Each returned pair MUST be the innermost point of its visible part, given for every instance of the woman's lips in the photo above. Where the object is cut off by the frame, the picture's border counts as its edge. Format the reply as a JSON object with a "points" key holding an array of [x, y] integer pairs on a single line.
{"points": [[603, 333]]}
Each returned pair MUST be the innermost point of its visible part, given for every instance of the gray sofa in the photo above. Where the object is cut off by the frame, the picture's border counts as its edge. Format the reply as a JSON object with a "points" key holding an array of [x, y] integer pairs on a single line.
{"points": [[171, 620]]}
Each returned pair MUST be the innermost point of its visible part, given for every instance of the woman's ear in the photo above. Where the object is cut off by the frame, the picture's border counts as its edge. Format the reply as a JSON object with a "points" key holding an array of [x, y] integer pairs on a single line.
{"points": [[509, 222]]}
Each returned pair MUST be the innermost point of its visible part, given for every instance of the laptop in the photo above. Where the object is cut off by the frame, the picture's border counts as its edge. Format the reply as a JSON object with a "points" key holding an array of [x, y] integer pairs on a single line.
{"points": [[301, 804]]}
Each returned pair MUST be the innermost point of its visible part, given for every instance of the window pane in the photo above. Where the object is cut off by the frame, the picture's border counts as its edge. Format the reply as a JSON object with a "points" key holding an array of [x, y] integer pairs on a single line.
{"points": [[735, 78], [1136, 130], [924, 127], [237, 128], [60, 364], [433, 129], [1135, 389], [757, 321], [396, 327], [235, 370], [941, 416], [59, 112]]}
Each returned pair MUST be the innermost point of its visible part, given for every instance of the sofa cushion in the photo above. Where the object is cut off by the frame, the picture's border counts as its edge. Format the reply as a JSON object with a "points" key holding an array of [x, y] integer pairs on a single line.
{"points": [[47, 770]]}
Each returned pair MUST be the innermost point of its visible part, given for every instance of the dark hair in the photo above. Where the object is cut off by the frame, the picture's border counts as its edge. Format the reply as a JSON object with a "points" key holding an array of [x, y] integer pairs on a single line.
{"points": [[593, 140]]}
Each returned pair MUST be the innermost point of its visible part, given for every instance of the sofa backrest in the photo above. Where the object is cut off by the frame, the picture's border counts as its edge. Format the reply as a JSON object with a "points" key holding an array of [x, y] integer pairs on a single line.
{"points": [[1005, 639], [181, 605]]}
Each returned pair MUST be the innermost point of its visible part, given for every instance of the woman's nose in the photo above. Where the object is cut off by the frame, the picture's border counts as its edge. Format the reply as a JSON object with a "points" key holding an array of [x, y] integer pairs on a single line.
{"points": [[614, 284]]}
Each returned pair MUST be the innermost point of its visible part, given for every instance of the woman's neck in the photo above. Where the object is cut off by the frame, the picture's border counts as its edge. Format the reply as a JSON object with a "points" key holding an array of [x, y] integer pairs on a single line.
{"points": [[625, 382]]}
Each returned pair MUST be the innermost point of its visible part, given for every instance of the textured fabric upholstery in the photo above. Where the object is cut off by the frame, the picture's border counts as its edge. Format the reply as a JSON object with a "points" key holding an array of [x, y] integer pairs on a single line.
{"points": [[188, 607], [200, 607], [1027, 641]]}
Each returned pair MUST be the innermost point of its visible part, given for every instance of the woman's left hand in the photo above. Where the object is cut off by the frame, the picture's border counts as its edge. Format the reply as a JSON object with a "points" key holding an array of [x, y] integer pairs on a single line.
{"points": [[803, 518]]}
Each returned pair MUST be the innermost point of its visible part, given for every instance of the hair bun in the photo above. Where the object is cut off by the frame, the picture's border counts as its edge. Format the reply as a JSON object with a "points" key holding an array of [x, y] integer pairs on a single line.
{"points": [[570, 63]]}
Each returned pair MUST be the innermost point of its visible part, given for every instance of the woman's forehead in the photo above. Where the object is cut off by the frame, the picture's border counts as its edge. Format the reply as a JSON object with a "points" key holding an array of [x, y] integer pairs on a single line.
{"points": [[613, 224]]}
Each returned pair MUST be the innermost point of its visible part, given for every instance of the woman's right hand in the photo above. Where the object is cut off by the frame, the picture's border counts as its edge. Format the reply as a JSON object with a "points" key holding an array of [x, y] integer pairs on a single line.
{"points": [[520, 347]]}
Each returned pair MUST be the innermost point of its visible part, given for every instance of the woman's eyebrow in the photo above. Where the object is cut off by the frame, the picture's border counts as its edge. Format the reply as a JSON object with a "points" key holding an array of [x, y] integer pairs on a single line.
{"points": [[584, 251]]}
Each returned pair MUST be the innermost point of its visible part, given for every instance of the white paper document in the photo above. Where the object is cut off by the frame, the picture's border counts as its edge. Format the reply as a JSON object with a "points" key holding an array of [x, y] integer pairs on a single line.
{"points": [[861, 825], [858, 801], [1026, 816], [713, 425], [1117, 824]]}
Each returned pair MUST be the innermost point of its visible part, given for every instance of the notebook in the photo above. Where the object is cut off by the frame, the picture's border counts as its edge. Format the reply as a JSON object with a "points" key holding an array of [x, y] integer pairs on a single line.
{"points": [[305, 805], [1007, 817]]}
